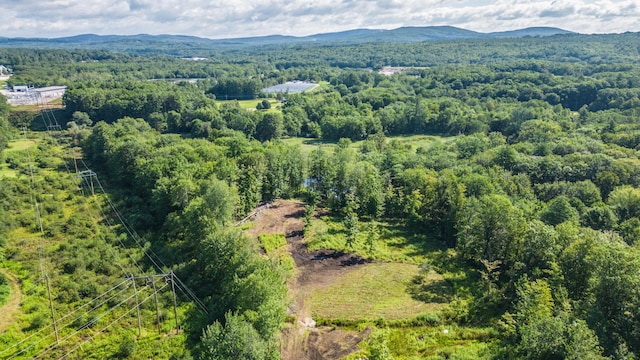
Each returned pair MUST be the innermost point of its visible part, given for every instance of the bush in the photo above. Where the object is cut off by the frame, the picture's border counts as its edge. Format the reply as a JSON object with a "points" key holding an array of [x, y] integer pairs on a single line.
{"points": [[431, 319], [4, 289], [37, 322], [127, 348], [271, 242]]}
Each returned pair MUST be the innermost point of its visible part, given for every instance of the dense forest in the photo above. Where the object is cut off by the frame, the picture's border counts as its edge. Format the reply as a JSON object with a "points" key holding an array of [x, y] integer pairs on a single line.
{"points": [[507, 169]]}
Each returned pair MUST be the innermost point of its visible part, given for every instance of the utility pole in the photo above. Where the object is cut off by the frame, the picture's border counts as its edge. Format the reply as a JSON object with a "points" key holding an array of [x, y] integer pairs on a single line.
{"points": [[135, 293], [88, 174], [155, 297], [175, 303], [53, 316]]}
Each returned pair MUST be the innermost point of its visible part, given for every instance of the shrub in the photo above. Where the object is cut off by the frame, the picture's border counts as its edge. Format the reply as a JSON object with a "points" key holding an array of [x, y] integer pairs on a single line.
{"points": [[127, 348], [271, 242]]}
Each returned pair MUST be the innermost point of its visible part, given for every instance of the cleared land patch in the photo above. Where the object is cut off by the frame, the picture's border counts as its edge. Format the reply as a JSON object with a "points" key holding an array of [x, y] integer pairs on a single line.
{"points": [[377, 290], [8, 310], [307, 145], [331, 284], [20, 145], [6, 172], [251, 104]]}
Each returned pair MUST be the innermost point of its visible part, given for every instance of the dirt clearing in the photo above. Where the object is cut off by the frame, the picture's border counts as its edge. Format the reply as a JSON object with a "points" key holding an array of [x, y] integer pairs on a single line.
{"points": [[12, 305], [317, 269]]}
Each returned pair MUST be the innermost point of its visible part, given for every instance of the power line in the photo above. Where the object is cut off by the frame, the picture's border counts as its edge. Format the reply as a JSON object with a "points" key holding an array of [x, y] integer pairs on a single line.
{"points": [[102, 315], [51, 124], [113, 322], [182, 286], [130, 231], [117, 238], [32, 183], [190, 293], [59, 321]]}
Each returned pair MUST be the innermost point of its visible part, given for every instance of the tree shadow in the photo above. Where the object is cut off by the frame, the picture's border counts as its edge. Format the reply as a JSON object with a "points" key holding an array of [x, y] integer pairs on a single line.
{"points": [[427, 290], [296, 215]]}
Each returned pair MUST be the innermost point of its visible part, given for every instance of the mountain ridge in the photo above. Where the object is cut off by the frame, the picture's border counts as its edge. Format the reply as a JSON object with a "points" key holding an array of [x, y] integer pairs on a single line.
{"points": [[399, 35]]}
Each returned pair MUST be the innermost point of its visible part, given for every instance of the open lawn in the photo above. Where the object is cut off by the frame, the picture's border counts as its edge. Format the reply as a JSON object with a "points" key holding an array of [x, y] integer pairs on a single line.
{"points": [[437, 343], [6, 172], [307, 145], [379, 241], [415, 141], [378, 290], [19, 145], [251, 104]]}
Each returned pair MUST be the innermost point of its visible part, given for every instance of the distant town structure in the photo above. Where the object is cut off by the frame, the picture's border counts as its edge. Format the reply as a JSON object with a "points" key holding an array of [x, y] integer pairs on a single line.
{"points": [[291, 87], [28, 95], [51, 91], [20, 88], [4, 70]]}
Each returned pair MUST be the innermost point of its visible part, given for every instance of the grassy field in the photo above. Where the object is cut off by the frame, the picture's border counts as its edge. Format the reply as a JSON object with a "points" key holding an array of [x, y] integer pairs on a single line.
{"points": [[380, 241], [414, 141], [14, 146], [308, 145], [378, 290], [5, 172], [414, 288], [436, 343], [20, 145], [251, 104]]}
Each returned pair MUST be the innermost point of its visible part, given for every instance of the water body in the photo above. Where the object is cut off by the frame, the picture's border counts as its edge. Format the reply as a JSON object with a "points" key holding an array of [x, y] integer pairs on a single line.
{"points": [[291, 86]]}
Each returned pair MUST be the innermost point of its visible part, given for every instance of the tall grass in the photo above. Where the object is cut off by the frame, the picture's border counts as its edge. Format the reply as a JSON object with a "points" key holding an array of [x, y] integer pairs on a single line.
{"points": [[272, 242]]}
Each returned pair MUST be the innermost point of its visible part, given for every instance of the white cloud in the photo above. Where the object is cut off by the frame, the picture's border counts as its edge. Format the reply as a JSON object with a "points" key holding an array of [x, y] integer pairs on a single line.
{"points": [[235, 18]]}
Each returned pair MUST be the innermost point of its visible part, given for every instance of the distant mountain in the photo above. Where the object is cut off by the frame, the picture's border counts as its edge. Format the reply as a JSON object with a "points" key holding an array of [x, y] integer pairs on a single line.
{"points": [[165, 43], [532, 31], [400, 35]]}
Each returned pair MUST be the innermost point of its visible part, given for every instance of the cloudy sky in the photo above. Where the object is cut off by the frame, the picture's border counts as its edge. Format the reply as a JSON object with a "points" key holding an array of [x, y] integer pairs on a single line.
{"points": [[237, 18]]}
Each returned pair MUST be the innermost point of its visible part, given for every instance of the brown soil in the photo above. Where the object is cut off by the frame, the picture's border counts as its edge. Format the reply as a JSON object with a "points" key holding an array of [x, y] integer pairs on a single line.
{"points": [[314, 269], [9, 309]]}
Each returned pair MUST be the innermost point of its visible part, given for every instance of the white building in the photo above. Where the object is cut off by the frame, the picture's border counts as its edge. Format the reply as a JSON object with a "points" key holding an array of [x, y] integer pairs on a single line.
{"points": [[20, 88], [51, 91]]}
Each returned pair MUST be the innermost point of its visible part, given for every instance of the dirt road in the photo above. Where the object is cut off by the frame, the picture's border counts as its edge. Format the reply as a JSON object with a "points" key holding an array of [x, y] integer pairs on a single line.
{"points": [[10, 308], [302, 339]]}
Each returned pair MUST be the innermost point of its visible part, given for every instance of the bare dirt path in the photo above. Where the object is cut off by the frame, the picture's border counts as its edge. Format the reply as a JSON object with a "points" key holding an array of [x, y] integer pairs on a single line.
{"points": [[10, 308], [303, 340]]}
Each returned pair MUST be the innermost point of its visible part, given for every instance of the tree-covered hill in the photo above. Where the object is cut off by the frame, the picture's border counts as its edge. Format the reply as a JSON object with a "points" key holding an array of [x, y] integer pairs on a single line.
{"points": [[356, 36]]}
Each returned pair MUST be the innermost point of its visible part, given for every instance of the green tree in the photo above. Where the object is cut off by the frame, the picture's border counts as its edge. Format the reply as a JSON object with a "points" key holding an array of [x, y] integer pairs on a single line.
{"points": [[625, 202], [558, 211], [81, 118], [366, 184], [236, 339], [309, 213], [351, 221], [264, 105], [600, 218], [322, 172], [491, 229], [219, 200], [269, 127], [542, 331]]}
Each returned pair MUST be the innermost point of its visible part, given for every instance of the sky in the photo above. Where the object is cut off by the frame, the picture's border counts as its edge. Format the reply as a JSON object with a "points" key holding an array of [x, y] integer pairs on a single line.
{"points": [[238, 18]]}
